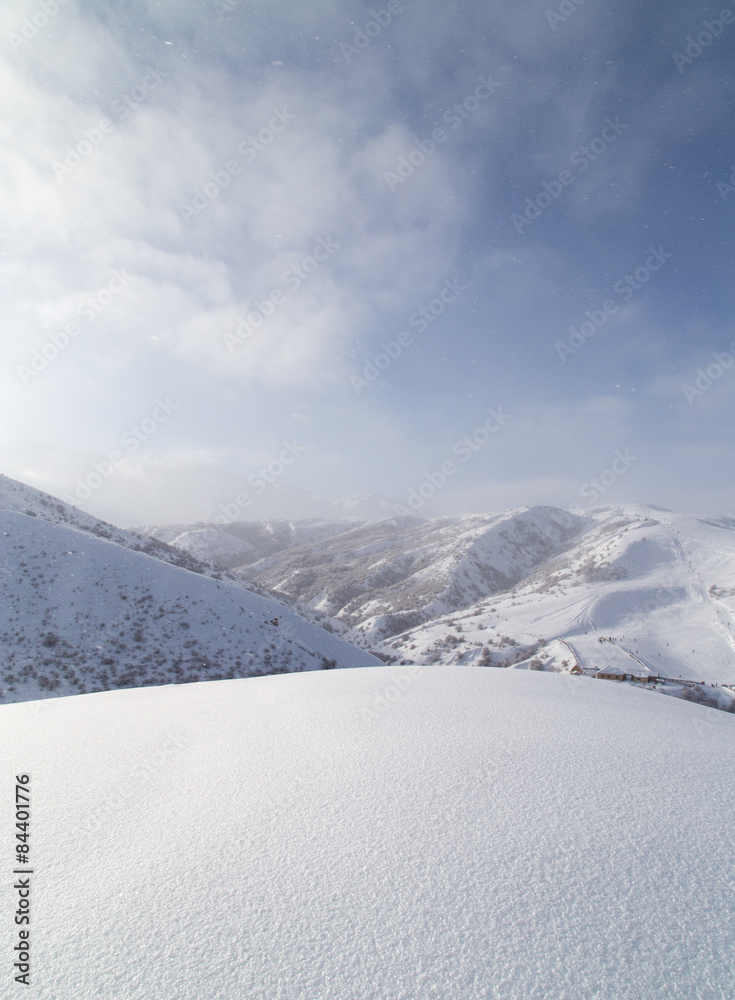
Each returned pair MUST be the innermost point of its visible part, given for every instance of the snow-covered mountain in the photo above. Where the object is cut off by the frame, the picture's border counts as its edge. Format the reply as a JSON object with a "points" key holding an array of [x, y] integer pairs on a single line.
{"points": [[628, 590], [660, 585], [245, 542], [382, 576], [86, 606], [443, 833], [532, 587]]}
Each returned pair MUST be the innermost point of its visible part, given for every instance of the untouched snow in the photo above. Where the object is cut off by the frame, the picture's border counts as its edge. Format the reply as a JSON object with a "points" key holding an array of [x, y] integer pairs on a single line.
{"points": [[389, 833]]}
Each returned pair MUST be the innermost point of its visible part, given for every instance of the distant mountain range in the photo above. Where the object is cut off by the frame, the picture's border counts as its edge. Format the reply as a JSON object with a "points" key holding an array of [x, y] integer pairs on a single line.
{"points": [[384, 576], [533, 586], [632, 590]]}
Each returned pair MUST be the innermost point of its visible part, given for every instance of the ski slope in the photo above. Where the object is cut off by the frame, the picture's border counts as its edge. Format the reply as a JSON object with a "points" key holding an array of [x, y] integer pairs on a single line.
{"points": [[664, 586], [391, 832], [482, 588]]}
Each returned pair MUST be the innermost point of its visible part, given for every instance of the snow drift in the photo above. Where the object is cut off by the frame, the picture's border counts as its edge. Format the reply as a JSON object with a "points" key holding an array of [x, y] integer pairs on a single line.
{"points": [[391, 832]]}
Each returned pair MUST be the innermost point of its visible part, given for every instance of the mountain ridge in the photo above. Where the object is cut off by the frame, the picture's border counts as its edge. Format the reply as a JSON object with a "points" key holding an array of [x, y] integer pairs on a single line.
{"points": [[530, 588], [522, 583], [90, 607]]}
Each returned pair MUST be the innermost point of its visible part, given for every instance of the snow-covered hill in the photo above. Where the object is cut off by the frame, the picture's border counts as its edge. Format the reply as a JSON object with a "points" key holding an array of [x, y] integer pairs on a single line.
{"points": [[661, 584], [243, 543], [535, 587], [448, 832], [630, 588], [20, 498], [88, 607], [382, 576]]}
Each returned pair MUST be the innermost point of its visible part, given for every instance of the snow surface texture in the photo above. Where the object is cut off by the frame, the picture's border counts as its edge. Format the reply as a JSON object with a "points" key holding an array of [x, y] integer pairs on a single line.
{"points": [[443, 833], [83, 608]]}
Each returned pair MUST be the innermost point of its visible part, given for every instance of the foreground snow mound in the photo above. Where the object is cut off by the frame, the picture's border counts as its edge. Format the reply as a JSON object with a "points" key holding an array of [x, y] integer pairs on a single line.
{"points": [[392, 832]]}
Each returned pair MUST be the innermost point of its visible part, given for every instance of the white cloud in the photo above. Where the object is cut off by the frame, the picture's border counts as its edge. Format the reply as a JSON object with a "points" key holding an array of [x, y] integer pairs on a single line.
{"points": [[224, 79]]}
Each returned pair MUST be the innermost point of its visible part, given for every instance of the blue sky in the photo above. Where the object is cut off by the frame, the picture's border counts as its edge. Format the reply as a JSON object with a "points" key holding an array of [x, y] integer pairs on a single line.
{"points": [[241, 207]]}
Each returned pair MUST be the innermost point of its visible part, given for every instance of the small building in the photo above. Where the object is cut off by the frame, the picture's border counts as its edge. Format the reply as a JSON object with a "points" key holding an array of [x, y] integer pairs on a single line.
{"points": [[576, 669], [611, 674]]}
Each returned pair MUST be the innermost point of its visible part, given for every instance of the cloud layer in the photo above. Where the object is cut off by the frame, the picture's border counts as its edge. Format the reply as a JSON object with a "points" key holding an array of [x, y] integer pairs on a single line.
{"points": [[254, 210]]}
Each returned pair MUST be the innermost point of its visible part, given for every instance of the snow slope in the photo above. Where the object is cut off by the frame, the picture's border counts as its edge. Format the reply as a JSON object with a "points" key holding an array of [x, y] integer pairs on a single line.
{"points": [[388, 575], [438, 832], [244, 542], [18, 497], [84, 608], [663, 584], [504, 589]]}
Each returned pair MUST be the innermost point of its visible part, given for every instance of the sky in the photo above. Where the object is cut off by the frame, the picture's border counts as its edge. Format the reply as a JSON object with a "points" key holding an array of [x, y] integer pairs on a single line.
{"points": [[466, 256]]}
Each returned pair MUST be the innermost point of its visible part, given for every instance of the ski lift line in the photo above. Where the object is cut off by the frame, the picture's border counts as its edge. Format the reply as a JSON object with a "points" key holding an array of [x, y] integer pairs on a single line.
{"points": [[667, 680], [631, 655], [571, 650]]}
